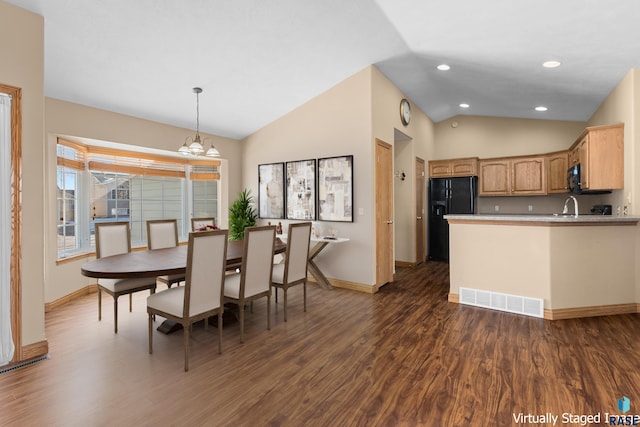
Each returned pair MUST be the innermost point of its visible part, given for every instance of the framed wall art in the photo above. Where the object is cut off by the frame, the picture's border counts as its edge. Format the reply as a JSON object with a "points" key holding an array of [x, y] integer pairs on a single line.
{"points": [[335, 189], [301, 189], [271, 190]]}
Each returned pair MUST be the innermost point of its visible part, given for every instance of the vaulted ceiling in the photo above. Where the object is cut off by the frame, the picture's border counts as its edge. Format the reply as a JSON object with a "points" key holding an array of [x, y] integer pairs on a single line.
{"points": [[256, 60]]}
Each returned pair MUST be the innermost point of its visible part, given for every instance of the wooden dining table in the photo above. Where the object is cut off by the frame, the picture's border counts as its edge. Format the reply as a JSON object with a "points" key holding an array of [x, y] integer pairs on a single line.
{"points": [[159, 262]]}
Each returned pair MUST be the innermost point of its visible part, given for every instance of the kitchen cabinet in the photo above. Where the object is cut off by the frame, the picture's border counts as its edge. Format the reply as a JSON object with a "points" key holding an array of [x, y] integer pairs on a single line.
{"points": [[557, 165], [453, 167], [600, 153], [512, 176], [494, 177]]}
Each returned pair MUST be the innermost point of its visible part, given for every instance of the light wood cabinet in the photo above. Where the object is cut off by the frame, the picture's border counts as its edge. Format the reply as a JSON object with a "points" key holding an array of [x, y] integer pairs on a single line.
{"points": [[600, 153], [453, 167], [512, 176], [557, 166], [494, 177]]}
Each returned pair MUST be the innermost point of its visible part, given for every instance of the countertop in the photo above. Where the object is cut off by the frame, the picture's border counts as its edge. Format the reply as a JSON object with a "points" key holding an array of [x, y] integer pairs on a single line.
{"points": [[549, 219]]}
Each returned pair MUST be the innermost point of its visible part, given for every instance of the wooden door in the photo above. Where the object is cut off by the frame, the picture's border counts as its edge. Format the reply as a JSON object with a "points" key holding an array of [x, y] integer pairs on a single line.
{"points": [[583, 155], [420, 211], [495, 179], [528, 176], [557, 165], [384, 213]]}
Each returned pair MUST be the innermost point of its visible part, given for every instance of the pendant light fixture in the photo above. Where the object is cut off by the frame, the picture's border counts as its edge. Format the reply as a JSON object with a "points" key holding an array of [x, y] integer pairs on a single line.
{"points": [[194, 145]]}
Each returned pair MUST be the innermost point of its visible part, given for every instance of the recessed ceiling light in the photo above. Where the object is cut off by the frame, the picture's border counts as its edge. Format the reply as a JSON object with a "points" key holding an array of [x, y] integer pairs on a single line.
{"points": [[443, 67], [551, 64], [464, 105], [541, 108]]}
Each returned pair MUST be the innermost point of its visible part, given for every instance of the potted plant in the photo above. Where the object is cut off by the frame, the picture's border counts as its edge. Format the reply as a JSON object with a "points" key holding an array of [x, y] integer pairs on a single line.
{"points": [[242, 214]]}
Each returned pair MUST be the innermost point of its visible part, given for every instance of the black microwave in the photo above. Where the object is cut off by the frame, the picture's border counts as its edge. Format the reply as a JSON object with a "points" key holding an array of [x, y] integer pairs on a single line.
{"points": [[573, 182]]}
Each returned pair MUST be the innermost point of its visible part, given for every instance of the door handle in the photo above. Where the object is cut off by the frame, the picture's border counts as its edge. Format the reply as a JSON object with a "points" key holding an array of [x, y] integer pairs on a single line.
{"points": [[419, 218], [390, 222]]}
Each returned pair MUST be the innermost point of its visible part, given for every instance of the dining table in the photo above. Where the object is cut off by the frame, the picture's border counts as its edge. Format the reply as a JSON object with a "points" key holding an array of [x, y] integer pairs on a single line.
{"points": [[160, 262], [319, 243]]}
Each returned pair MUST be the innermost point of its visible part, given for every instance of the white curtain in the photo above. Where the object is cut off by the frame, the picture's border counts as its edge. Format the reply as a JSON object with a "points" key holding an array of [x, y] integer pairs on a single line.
{"points": [[6, 340]]}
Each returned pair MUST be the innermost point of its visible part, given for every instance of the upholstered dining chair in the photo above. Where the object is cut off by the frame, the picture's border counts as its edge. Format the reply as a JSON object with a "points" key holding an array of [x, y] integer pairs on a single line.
{"points": [[202, 294], [203, 224], [114, 238], [294, 269], [163, 233], [254, 279]]}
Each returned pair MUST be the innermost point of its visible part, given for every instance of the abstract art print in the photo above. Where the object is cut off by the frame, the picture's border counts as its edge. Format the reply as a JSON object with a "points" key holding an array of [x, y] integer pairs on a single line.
{"points": [[301, 189], [271, 190], [335, 189]]}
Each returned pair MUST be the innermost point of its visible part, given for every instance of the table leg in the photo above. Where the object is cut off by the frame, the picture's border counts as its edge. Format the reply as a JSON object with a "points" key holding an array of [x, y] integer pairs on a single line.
{"points": [[317, 274]]}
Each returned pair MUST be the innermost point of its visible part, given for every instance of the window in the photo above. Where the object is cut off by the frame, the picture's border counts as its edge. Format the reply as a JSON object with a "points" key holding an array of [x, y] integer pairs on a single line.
{"points": [[204, 190], [129, 186], [68, 186]]}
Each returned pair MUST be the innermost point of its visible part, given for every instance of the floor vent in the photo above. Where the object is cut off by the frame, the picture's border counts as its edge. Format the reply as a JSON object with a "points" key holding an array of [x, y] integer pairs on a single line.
{"points": [[23, 364], [504, 302]]}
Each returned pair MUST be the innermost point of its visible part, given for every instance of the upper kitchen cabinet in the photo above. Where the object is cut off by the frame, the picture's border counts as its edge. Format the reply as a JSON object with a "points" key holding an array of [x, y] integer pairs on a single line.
{"points": [[494, 177], [512, 176], [557, 165], [600, 153], [453, 167]]}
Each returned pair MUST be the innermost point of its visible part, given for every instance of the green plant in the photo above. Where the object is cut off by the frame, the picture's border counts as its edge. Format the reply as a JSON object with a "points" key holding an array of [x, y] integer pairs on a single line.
{"points": [[242, 214]]}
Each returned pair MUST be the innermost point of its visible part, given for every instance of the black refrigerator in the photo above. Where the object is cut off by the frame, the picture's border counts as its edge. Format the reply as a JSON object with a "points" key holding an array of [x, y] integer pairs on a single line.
{"points": [[448, 196]]}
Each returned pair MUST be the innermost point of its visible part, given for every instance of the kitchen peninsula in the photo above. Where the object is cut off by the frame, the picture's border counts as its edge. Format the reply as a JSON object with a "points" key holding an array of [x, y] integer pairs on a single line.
{"points": [[579, 266]]}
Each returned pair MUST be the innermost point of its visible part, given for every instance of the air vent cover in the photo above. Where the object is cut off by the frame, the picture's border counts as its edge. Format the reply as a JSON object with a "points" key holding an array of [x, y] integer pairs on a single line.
{"points": [[504, 302]]}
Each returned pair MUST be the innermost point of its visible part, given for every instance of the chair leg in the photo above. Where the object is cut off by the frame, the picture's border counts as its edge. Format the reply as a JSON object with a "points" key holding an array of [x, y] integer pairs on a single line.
{"points": [[130, 303], [269, 312], [115, 315], [275, 289], [241, 323], [99, 304], [285, 303], [186, 328], [150, 334], [220, 331], [304, 284]]}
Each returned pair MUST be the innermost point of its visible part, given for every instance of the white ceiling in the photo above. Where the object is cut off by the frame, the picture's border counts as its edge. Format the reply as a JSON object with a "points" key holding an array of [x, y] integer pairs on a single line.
{"points": [[259, 59]]}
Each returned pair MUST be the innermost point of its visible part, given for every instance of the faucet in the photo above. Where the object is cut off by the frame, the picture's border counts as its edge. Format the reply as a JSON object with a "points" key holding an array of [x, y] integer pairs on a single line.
{"points": [[565, 210]]}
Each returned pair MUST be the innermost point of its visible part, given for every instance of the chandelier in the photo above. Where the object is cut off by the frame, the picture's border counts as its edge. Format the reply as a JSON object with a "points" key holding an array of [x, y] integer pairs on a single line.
{"points": [[193, 145]]}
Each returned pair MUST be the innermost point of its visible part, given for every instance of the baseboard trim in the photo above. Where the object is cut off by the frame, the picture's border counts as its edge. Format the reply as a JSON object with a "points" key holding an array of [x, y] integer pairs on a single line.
{"points": [[34, 350], [593, 311], [89, 289], [353, 286], [405, 264], [577, 312]]}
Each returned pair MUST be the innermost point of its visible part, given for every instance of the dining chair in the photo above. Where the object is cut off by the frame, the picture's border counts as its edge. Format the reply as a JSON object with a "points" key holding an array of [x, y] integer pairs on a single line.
{"points": [[114, 238], [254, 279], [163, 233], [202, 294], [294, 269], [203, 224]]}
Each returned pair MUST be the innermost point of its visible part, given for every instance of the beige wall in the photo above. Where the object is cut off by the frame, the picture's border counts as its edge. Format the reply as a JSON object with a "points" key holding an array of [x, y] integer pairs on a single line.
{"points": [[420, 143], [592, 266], [22, 65], [501, 258], [344, 120], [335, 123], [568, 267], [621, 106], [68, 119], [487, 137]]}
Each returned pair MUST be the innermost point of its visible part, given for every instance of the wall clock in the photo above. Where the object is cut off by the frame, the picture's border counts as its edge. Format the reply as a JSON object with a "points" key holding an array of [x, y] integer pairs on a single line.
{"points": [[405, 112]]}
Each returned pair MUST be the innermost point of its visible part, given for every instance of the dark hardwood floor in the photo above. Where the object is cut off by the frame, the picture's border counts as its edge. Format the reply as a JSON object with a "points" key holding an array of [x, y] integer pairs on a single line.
{"points": [[401, 357]]}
